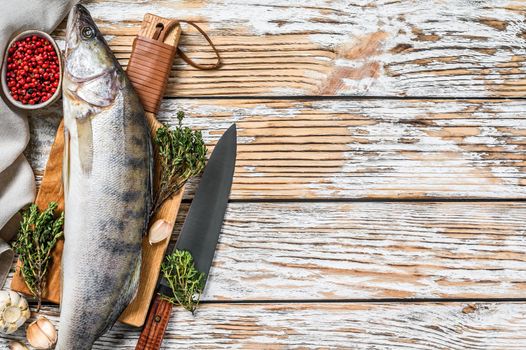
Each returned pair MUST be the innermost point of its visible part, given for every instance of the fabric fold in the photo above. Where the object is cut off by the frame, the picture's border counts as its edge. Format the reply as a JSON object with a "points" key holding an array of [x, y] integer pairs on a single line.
{"points": [[17, 188], [6, 259], [17, 183]]}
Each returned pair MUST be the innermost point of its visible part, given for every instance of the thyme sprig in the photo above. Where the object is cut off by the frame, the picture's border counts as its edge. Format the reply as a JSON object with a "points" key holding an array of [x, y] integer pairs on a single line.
{"points": [[183, 155], [185, 280], [38, 234]]}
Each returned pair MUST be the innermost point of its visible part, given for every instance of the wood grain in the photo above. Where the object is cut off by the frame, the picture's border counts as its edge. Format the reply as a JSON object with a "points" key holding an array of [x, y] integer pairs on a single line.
{"points": [[338, 149], [50, 190], [422, 326], [152, 335], [321, 47], [368, 251]]}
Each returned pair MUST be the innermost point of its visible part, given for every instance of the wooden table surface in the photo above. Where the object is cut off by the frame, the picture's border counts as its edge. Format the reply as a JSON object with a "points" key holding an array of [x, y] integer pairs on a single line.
{"points": [[378, 199]]}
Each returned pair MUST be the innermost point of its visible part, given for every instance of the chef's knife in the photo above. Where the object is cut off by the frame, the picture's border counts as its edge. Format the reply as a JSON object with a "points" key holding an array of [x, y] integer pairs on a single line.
{"points": [[200, 232]]}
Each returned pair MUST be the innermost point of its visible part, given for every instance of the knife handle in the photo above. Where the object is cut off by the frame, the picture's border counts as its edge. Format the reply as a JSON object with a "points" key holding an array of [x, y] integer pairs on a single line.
{"points": [[152, 334]]}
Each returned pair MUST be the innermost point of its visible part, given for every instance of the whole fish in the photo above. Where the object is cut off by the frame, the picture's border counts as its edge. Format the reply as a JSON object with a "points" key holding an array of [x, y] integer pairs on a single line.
{"points": [[107, 185]]}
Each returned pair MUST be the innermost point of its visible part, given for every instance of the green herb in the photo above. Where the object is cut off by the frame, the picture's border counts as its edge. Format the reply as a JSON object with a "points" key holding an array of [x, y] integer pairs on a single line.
{"points": [[183, 155], [38, 234], [185, 280]]}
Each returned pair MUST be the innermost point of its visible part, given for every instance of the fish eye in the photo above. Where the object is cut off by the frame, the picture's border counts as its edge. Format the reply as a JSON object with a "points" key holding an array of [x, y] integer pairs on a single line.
{"points": [[87, 33]]}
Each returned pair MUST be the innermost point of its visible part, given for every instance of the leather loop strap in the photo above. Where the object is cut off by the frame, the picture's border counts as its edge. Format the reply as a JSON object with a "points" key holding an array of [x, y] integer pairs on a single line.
{"points": [[216, 65], [163, 30]]}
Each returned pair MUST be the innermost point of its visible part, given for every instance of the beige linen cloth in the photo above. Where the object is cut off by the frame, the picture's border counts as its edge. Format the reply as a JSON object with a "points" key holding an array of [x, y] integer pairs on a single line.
{"points": [[17, 183]]}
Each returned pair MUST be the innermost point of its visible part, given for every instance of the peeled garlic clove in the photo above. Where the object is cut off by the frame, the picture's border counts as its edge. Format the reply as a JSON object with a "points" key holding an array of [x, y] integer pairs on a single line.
{"points": [[14, 345], [41, 334], [14, 311], [160, 230]]}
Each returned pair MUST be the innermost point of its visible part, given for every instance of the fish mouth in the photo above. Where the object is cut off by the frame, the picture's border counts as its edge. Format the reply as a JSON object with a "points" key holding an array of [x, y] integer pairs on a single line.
{"points": [[78, 18], [87, 58]]}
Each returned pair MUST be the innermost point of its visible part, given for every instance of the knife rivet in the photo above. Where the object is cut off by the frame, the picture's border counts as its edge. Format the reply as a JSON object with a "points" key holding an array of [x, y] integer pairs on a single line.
{"points": [[157, 318]]}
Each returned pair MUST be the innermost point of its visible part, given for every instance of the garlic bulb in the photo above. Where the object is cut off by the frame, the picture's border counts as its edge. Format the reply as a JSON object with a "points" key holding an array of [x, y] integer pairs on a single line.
{"points": [[159, 231], [14, 345], [41, 334], [14, 311]]}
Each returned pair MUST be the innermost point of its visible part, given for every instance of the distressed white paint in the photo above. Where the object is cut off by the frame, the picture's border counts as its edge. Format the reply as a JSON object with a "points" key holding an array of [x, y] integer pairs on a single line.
{"points": [[278, 47], [324, 251], [351, 149], [356, 148], [319, 251], [422, 326]]}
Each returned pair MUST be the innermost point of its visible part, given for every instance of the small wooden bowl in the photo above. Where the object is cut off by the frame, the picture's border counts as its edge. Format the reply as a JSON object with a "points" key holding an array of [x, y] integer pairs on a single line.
{"points": [[7, 91]]}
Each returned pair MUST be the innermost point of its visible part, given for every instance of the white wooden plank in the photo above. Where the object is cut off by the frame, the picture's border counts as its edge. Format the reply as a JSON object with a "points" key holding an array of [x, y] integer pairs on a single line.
{"points": [[332, 251], [355, 148], [422, 326], [322, 47], [287, 251]]}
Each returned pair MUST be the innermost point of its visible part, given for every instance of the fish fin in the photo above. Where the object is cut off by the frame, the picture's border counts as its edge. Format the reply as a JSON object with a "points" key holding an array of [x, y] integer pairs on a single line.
{"points": [[133, 287], [129, 293], [121, 80], [149, 190], [65, 163], [85, 140]]}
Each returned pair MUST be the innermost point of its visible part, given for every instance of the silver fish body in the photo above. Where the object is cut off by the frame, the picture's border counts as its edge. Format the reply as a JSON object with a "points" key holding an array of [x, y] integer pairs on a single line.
{"points": [[107, 185]]}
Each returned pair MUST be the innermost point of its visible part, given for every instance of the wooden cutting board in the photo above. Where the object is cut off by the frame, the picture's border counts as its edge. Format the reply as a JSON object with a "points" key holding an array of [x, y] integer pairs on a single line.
{"points": [[152, 255]]}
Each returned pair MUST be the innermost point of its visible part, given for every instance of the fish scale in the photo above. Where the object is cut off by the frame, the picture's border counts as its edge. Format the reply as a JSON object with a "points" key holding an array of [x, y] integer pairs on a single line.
{"points": [[107, 186]]}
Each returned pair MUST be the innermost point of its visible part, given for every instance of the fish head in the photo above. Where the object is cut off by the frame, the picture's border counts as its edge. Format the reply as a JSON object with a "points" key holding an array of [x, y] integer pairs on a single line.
{"points": [[92, 75]]}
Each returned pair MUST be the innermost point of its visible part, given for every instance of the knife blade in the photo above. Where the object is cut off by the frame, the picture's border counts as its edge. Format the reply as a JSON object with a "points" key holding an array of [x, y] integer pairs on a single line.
{"points": [[200, 232]]}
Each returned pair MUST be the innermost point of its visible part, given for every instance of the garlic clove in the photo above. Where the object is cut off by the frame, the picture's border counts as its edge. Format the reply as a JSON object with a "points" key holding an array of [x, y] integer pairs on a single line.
{"points": [[160, 230], [41, 334], [12, 314], [20, 322], [14, 345], [4, 297], [22, 304], [15, 297], [49, 329], [11, 328], [24, 307], [14, 311], [26, 313]]}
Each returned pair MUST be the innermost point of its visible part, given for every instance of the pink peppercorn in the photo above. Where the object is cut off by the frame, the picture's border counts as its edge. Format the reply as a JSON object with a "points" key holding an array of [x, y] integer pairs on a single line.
{"points": [[32, 73]]}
